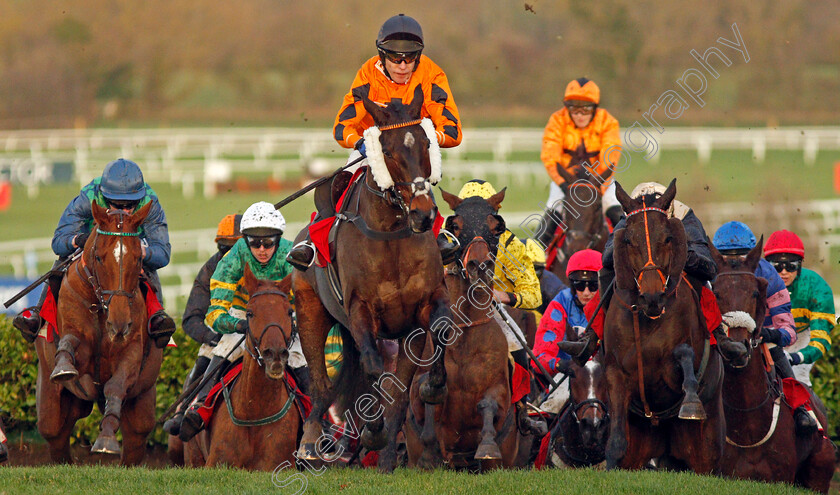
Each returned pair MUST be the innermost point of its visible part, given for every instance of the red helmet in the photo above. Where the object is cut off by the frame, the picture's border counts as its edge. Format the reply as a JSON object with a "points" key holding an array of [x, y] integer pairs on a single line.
{"points": [[587, 260], [784, 241]]}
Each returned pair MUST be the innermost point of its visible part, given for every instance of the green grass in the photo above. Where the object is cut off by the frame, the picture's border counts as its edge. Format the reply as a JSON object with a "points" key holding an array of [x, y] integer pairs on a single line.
{"points": [[92, 480]]}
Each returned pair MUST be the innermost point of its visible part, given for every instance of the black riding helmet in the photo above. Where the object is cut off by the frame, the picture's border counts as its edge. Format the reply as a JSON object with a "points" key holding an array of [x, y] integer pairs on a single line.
{"points": [[400, 34]]}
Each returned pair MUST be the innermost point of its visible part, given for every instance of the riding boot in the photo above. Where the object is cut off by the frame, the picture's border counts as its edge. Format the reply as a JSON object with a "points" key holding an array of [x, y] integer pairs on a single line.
{"points": [[193, 423], [583, 349], [29, 326], [302, 378], [526, 424], [65, 359], [804, 423], [728, 348], [302, 255], [614, 214], [161, 328], [448, 245], [173, 424], [548, 225]]}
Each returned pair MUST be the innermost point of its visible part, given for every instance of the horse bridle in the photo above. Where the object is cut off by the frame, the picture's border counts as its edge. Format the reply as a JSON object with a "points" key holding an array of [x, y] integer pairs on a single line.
{"points": [[753, 341], [596, 237], [578, 408], [93, 279], [650, 265], [256, 342]]}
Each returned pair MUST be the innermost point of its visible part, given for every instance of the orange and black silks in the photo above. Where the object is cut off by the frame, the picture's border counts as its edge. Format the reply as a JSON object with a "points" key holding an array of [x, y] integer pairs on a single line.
{"points": [[371, 80]]}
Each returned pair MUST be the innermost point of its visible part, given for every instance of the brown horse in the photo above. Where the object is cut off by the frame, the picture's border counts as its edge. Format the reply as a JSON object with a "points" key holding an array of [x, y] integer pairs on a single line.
{"points": [[761, 442], [475, 427], [259, 425], [105, 354], [388, 275], [583, 224], [663, 382]]}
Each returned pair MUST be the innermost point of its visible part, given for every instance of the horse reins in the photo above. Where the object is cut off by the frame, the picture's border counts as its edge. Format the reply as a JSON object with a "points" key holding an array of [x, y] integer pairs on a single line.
{"points": [[93, 279], [256, 342], [650, 265]]}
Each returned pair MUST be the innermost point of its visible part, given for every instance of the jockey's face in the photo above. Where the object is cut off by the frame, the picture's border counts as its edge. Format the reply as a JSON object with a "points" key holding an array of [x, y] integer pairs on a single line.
{"points": [[400, 73], [581, 114], [262, 247]]}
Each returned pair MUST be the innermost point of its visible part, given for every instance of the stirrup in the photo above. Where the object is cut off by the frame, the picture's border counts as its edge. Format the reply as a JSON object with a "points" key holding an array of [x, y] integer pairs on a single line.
{"points": [[302, 265], [191, 425]]}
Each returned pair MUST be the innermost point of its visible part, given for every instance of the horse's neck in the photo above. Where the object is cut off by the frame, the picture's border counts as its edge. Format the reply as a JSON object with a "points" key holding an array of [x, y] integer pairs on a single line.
{"points": [[461, 299], [377, 213], [741, 384]]}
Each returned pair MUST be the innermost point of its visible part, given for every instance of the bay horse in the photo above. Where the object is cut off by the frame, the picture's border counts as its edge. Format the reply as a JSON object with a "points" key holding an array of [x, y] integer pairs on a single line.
{"points": [[582, 226], [388, 277], [104, 354], [256, 425], [663, 381], [475, 427], [761, 441], [584, 422]]}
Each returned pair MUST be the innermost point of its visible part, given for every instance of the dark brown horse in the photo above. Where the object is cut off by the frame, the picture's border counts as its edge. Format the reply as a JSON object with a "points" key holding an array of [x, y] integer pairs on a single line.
{"points": [[105, 354], [582, 220], [663, 381], [257, 424], [761, 442], [475, 427], [390, 285]]}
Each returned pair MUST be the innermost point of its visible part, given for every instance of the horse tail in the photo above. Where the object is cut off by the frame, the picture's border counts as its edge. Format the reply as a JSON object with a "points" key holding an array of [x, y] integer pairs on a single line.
{"points": [[351, 382]]}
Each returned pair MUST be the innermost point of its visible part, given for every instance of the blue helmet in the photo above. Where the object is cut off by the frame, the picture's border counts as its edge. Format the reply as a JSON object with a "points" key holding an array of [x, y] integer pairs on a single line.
{"points": [[122, 180], [734, 235]]}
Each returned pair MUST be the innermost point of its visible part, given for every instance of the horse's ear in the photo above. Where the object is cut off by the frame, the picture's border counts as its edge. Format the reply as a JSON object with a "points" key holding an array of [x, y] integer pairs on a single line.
{"points": [[100, 214], [754, 255], [452, 200], [285, 285], [621, 263], [679, 251], [627, 203], [379, 115], [569, 178], [416, 106], [250, 281], [139, 216], [716, 256], [496, 199], [760, 302], [664, 201]]}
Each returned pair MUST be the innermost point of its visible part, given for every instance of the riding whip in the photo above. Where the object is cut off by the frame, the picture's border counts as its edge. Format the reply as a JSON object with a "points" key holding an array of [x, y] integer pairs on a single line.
{"points": [[192, 391], [518, 333], [322, 180], [29, 288]]}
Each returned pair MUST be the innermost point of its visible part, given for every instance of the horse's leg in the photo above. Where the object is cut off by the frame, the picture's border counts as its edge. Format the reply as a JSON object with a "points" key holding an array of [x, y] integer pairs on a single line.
{"points": [[315, 323], [619, 405], [138, 420], [114, 392], [431, 456], [433, 391], [691, 407], [396, 392], [488, 409]]}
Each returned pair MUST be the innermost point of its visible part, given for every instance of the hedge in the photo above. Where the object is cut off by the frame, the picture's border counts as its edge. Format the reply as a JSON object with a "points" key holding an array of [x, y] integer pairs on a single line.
{"points": [[18, 372]]}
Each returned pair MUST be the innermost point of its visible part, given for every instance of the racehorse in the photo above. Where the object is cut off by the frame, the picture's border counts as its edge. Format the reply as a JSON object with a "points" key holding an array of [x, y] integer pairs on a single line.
{"points": [[260, 426], [761, 442], [582, 220], [105, 354], [475, 427], [388, 278], [663, 382]]}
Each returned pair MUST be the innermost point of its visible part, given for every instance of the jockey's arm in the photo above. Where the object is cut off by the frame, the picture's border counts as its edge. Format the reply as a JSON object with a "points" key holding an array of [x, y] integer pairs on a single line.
{"points": [[699, 261], [156, 234], [551, 329], [224, 285], [820, 314], [778, 304], [443, 112], [197, 304], [552, 147], [515, 273], [73, 222]]}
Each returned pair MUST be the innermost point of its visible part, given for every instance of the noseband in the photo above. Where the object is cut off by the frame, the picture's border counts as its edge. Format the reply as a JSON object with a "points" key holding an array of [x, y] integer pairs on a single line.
{"points": [[754, 341], [253, 346], [650, 265], [92, 278]]}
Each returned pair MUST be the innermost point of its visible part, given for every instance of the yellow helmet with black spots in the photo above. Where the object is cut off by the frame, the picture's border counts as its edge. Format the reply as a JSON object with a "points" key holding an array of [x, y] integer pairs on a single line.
{"points": [[477, 187]]}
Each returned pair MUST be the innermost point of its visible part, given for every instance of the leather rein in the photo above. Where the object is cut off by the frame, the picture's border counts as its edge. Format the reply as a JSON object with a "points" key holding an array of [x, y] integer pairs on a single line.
{"points": [[253, 343]]}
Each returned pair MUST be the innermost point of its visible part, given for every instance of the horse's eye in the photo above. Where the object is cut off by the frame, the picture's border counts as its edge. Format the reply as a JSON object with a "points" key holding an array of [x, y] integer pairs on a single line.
{"points": [[755, 293], [626, 240], [668, 240], [387, 154], [249, 314], [98, 259]]}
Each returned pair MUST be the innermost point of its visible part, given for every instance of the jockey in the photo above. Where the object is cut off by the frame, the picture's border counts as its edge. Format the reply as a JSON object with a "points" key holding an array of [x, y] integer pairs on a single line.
{"points": [[264, 250], [199, 300], [811, 300], [567, 307], [582, 131], [699, 268], [394, 74], [550, 284], [735, 239], [121, 187], [515, 283]]}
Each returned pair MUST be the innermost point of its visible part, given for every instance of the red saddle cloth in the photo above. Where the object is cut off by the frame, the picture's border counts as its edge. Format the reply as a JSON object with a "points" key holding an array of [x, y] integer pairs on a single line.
{"points": [[520, 383], [319, 232], [49, 310], [796, 393]]}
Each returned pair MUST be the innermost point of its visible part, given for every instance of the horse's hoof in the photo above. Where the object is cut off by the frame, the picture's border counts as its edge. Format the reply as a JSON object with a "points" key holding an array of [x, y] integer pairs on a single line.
{"points": [[432, 395], [63, 372], [693, 411], [307, 452], [428, 461], [374, 440], [105, 445], [488, 451]]}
